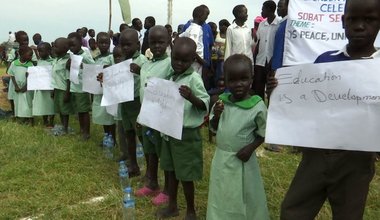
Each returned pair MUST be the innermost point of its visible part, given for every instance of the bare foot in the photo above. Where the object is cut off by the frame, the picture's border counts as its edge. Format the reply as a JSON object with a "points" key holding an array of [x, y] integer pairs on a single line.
{"points": [[167, 213]]}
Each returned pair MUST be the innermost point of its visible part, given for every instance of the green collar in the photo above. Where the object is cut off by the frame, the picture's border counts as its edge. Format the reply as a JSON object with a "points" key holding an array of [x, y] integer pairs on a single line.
{"points": [[175, 76], [66, 56], [136, 54], [80, 52], [245, 104], [103, 55], [27, 64], [160, 58]]}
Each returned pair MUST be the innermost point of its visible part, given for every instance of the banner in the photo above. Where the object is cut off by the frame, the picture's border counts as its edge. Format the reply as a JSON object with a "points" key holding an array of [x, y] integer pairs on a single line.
{"points": [[329, 105], [125, 11], [39, 78]]}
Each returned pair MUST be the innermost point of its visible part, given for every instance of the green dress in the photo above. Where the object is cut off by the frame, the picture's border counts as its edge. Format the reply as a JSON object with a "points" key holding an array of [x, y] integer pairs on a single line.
{"points": [[43, 103], [22, 101], [100, 115], [236, 189]]}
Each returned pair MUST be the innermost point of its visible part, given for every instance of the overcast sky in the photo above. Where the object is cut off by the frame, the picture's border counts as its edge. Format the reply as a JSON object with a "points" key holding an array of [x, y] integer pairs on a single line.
{"points": [[56, 18]]}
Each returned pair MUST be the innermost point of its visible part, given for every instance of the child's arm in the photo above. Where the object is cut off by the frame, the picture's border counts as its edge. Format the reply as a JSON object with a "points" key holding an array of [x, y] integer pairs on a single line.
{"points": [[25, 87], [271, 83], [218, 109], [200, 60], [67, 94], [17, 88], [135, 68], [246, 152], [186, 93]]}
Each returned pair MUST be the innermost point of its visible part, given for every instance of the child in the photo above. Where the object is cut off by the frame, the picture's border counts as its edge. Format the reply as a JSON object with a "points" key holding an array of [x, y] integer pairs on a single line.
{"points": [[99, 113], [94, 49], [43, 104], [341, 176], [81, 100], [183, 159], [159, 67], [18, 71], [238, 36], [236, 189], [61, 82]]}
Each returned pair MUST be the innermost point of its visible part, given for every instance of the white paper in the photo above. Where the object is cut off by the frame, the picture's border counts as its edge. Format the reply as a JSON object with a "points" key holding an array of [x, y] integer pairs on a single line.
{"points": [[76, 61], [329, 105], [162, 107], [39, 78], [118, 84], [90, 82], [313, 27], [112, 109]]}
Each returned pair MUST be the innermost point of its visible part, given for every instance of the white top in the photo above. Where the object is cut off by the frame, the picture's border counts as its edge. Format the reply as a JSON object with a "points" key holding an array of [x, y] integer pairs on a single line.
{"points": [[265, 34], [195, 32], [238, 41]]}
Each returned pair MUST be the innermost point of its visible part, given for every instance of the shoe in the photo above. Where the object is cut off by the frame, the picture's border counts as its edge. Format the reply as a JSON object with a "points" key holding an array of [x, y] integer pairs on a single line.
{"points": [[160, 199], [145, 191]]}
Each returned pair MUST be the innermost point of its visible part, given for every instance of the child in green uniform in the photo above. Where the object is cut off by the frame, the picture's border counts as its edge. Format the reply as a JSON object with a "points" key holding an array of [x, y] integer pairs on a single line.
{"points": [[99, 113], [81, 100], [183, 159], [61, 82], [130, 45], [18, 71], [236, 189], [159, 67], [43, 104]]}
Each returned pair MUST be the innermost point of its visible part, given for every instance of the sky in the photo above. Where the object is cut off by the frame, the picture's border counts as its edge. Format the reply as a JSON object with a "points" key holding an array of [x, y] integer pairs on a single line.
{"points": [[57, 18]]}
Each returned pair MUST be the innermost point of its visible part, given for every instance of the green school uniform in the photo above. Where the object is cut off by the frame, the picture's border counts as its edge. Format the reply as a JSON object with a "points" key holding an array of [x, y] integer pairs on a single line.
{"points": [[99, 113], [12, 55], [43, 104], [160, 68], [60, 77], [185, 157], [22, 101], [236, 189]]}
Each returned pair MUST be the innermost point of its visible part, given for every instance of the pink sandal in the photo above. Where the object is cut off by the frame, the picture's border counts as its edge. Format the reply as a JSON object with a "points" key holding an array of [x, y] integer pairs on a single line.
{"points": [[145, 191], [160, 199]]}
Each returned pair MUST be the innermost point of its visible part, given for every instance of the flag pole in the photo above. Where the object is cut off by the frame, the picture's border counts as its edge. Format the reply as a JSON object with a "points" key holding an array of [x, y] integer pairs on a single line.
{"points": [[110, 17]]}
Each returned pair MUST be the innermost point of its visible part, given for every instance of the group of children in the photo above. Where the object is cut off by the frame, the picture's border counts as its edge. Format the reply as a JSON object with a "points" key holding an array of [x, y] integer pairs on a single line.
{"points": [[239, 119]]}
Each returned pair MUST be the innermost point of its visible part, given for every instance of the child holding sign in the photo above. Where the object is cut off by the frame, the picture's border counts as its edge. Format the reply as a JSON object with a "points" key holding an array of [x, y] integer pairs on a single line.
{"points": [[236, 188], [183, 159], [43, 104], [341, 176]]}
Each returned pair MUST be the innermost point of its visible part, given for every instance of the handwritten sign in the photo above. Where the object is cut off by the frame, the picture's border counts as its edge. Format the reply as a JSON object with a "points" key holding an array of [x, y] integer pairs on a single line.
{"points": [[118, 84], [75, 67], [162, 107], [330, 105], [90, 83], [39, 78]]}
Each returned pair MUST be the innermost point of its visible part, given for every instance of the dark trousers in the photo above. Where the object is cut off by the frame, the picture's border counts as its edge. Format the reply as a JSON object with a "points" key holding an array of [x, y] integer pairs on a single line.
{"points": [[260, 79], [342, 177]]}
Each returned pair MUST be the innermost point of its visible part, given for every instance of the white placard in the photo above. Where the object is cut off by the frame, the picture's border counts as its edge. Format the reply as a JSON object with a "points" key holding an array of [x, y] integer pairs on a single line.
{"points": [[329, 105], [76, 61], [162, 107], [39, 78], [90, 82], [118, 84], [112, 109]]}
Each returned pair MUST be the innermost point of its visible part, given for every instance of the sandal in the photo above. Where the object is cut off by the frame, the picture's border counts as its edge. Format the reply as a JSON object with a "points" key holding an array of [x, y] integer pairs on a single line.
{"points": [[145, 191], [160, 199]]}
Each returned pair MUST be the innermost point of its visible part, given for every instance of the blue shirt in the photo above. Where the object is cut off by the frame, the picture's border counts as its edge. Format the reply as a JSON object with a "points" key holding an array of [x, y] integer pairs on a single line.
{"points": [[278, 50], [332, 56], [208, 40]]}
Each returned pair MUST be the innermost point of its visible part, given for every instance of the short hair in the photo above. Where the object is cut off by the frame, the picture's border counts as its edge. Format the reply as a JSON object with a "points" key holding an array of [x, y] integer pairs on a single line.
{"points": [[101, 34], [237, 9], [237, 58], [224, 22], [75, 35], [151, 20], [19, 34], [45, 44], [198, 11], [134, 21], [122, 27], [270, 5], [91, 40], [25, 49], [168, 26]]}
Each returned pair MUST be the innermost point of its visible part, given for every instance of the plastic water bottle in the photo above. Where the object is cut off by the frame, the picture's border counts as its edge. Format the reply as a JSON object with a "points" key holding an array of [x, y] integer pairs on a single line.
{"points": [[124, 175], [108, 146], [140, 156], [105, 136], [128, 205]]}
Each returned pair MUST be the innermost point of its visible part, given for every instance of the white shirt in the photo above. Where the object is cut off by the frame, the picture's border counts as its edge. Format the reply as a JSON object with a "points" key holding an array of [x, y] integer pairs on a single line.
{"points": [[195, 32], [265, 34], [238, 41]]}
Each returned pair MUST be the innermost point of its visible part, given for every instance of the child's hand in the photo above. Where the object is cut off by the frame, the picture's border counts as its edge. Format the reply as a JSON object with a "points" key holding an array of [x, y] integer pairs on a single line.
{"points": [[52, 94], [185, 92], [17, 89], [218, 108], [23, 89], [26, 74], [135, 68], [66, 98], [68, 64], [245, 153], [99, 77], [138, 126], [271, 84]]}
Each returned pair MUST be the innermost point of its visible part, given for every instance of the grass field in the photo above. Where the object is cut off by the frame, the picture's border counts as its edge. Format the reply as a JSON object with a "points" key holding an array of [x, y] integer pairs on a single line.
{"points": [[56, 177]]}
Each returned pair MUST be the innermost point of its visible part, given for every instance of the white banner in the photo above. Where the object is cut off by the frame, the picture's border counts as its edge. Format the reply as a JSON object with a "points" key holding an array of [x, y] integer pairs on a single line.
{"points": [[39, 78], [162, 107], [329, 105], [76, 61], [118, 84], [90, 82]]}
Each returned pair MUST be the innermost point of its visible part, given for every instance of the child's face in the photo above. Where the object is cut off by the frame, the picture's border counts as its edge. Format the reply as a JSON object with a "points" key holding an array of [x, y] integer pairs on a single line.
{"points": [[92, 45], [204, 15], [24, 40], [182, 58], [361, 22], [43, 51], [104, 44], [27, 56], [238, 80], [242, 14], [118, 55], [158, 42], [60, 49], [129, 46], [75, 45]]}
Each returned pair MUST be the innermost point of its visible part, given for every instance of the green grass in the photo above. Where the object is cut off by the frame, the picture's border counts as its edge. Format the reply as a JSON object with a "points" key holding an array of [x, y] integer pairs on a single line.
{"points": [[47, 176]]}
